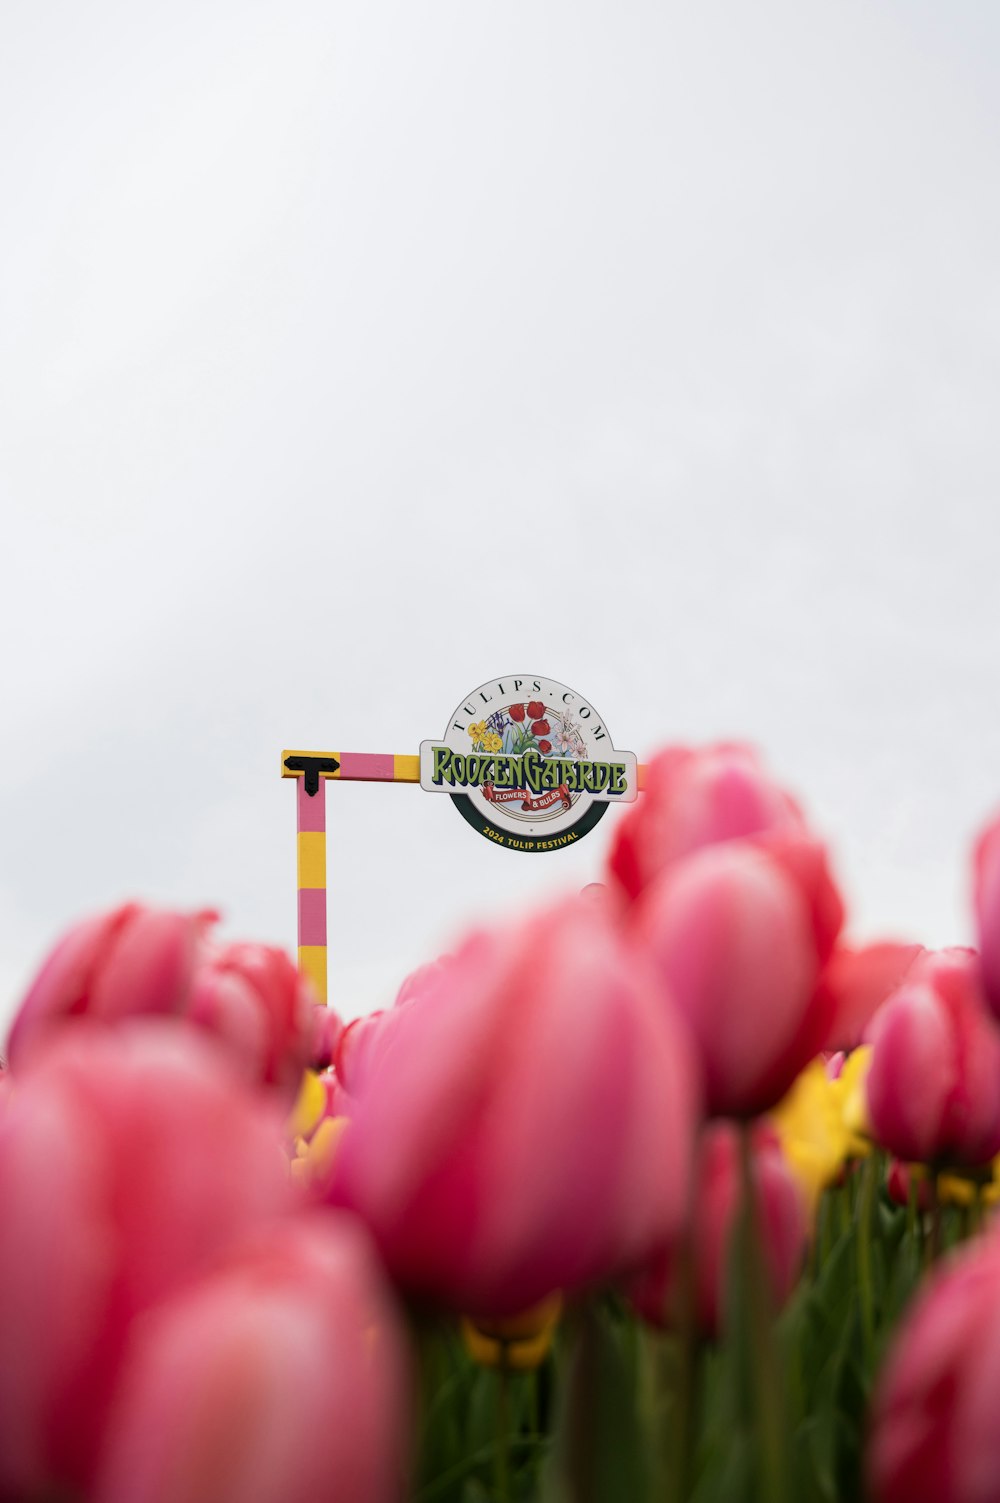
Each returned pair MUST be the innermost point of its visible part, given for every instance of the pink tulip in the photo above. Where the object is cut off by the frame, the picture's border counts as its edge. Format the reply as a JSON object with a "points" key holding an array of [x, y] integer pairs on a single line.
{"points": [[692, 799], [859, 981], [934, 1083], [365, 1040], [781, 1220], [136, 961], [986, 861], [356, 1049], [129, 1162], [530, 1127], [934, 1435], [423, 980], [899, 1181], [254, 998], [325, 1036], [133, 960], [738, 934], [280, 1377]]}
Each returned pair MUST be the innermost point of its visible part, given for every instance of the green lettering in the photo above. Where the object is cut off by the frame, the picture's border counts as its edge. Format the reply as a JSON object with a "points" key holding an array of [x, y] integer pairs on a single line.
{"points": [[534, 770], [441, 769]]}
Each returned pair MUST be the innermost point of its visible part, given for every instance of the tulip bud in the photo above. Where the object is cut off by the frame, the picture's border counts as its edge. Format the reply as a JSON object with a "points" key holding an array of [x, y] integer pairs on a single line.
{"points": [[738, 934], [933, 1087], [781, 1217], [131, 961], [271, 992], [136, 961], [695, 798], [902, 1179]]}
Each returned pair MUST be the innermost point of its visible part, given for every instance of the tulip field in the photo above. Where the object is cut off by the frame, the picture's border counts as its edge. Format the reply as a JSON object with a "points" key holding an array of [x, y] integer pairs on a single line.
{"points": [[671, 1190]]}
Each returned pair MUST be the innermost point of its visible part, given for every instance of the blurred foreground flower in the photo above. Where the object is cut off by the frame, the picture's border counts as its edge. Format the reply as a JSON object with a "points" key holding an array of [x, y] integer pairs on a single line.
{"points": [[137, 961], [129, 1163], [697, 797], [280, 1378], [934, 1435], [171, 1329], [530, 1127]]}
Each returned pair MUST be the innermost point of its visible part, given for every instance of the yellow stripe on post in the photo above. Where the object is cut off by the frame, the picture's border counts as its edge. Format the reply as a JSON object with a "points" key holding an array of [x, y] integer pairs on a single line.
{"points": [[405, 769], [312, 858], [312, 963]]}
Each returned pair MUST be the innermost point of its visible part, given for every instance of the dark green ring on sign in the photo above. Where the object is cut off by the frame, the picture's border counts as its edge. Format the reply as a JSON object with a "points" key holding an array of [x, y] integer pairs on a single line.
{"points": [[569, 835]]}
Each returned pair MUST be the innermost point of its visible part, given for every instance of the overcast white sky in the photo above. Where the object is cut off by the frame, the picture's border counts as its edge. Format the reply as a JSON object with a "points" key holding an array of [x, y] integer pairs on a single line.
{"points": [[354, 353]]}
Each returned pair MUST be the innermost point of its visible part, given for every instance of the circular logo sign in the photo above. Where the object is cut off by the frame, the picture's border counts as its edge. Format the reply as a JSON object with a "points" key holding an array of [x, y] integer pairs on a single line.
{"points": [[529, 763]]}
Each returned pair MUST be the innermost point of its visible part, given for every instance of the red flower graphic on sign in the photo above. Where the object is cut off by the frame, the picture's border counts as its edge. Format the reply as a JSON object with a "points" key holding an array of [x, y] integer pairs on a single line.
{"points": [[544, 746], [540, 728], [535, 709], [516, 712]]}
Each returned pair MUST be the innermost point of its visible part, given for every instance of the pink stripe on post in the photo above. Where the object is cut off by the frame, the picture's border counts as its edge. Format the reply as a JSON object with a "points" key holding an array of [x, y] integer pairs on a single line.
{"points": [[312, 915], [310, 812], [372, 767]]}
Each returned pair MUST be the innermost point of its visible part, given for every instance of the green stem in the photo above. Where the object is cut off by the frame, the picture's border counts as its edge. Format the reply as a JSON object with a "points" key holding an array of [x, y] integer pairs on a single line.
{"points": [[866, 1211], [501, 1452], [914, 1227], [686, 1376], [767, 1379], [445, 1481], [825, 1229]]}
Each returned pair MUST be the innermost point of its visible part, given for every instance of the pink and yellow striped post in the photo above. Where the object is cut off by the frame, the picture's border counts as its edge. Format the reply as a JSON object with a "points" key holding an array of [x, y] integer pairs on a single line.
{"points": [[311, 770], [311, 873]]}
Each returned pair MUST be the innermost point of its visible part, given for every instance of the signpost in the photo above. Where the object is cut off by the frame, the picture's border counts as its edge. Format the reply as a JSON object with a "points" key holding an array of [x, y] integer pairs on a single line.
{"points": [[527, 761]]}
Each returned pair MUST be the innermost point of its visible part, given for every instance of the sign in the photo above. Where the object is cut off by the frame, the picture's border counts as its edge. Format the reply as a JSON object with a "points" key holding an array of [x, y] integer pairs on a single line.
{"points": [[529, 763]]}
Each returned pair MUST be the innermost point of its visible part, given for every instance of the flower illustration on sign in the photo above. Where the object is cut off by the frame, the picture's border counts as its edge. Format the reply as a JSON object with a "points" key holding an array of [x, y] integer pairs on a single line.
{"points": [[519, 727], [528, 764]]}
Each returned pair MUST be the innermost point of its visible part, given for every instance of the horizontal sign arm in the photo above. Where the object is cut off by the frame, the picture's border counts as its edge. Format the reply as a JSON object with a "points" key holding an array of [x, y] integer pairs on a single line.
{"points": [[364, 767]]}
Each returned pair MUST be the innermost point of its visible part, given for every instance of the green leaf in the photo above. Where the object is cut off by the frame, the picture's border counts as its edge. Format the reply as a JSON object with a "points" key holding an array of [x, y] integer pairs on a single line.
{"points": [[599, 1451]]}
